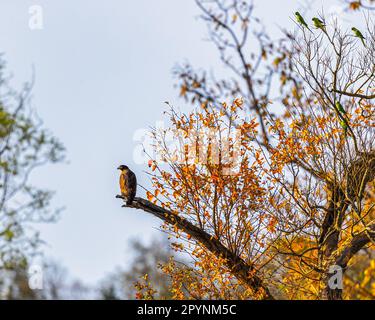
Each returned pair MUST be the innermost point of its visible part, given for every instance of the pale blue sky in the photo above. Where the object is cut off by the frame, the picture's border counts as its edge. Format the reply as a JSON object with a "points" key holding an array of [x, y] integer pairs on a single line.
{"points": [[103, 70]]}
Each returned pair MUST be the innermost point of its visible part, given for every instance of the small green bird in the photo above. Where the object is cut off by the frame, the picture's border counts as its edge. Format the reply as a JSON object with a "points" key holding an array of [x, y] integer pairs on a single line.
{"points": [[359, 35], [301, 20], [319, 24], [344, 125], [340, 108]]}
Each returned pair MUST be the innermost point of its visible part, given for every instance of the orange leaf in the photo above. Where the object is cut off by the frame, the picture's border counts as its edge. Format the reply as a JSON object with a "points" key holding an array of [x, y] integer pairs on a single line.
{"points": [[157, 191], [149, 195], [355, 5]]}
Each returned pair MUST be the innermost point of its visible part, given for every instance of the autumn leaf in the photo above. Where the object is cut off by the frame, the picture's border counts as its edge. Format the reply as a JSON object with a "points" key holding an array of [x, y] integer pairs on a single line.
{"points": [[150, 162], [355, 5], [149, 195], [157, 192], [183, 90]]}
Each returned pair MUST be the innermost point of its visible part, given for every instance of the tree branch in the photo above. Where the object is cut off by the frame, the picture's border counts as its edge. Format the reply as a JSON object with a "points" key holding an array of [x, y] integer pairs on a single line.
{"points": [[355, 95], [238, 267], [357, 243]]}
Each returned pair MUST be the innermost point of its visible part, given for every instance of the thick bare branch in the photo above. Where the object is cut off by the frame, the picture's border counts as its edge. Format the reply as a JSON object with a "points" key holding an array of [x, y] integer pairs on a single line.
{"points": [[243, 271]]}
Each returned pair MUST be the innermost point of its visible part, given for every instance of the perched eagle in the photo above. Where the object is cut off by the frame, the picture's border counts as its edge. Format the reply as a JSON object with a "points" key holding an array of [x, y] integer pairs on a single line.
{"points": [[128, 184]]}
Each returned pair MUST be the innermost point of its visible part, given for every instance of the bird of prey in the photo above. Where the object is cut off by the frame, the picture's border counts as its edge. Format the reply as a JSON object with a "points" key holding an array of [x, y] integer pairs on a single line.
{"points": [[340, 108], [128, 184], [359, 35], [301, 20], [319, 24]]}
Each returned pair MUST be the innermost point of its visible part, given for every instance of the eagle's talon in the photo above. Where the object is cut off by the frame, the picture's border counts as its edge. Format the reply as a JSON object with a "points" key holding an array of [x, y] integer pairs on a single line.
{"points": [[119, 196]]}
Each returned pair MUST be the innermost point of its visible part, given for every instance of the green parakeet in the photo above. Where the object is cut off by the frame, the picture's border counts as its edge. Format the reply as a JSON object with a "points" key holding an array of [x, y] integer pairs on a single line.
{"points": [[339, 107], [359, 35], [301, 20], [319, 24], [344, 125]]}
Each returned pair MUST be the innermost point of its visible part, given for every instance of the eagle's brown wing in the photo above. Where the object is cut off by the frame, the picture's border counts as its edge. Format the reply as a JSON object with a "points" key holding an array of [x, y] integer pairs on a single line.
{"points": [[131, 186]]}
